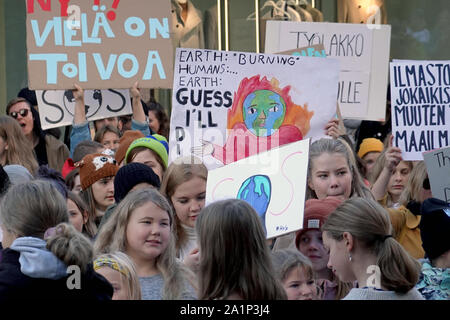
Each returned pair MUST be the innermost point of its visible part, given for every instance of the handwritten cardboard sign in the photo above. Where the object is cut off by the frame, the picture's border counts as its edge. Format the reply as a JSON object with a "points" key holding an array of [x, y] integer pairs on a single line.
{"points": [[363, 52], [56, 107], [230, 105], [99, 44], [420, 107], [273, 182], [438, 168], [317, 50]]}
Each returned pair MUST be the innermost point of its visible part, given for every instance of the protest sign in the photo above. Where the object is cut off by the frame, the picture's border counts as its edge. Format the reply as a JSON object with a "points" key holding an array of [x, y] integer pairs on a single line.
{"points": [[230, 105], [438, 168], [420, 107], [317, 50], [56, 107], [273, 182], [363, 51], [99, 44]]}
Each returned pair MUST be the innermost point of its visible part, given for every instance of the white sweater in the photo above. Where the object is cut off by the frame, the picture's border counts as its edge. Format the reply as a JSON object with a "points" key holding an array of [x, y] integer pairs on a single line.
{"points": [[373, 294]]}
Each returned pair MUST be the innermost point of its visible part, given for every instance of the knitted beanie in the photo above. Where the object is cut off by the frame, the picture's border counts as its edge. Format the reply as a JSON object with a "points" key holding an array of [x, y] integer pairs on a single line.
{"points": [[435, 227], [130, 175], [154, 142], [370, 145], [96, 166], [128, 137], [316, 213]]}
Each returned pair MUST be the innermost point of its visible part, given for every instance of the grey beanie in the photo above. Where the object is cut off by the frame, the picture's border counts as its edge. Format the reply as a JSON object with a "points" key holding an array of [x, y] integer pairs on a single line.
{"points": [[17, 174]]}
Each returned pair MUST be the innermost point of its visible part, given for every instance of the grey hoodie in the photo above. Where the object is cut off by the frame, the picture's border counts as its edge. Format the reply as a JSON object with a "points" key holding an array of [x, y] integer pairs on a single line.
{"points": [[36, 261]]}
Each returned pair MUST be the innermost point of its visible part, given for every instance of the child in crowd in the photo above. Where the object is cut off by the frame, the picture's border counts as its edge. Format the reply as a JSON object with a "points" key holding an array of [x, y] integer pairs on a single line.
{"points": [[14, 146], [119, 270], [97, 173], [184, 185], [73, 182], [389, 176], [142, 227], [42, 249], [369, 151], [132, 176], [359, 236], [309, 242], [108, 136], [79, 214], [332, 171], [296, 273], [152, 151], [158, 120], [434, 281], [406, 218], [234, 258]]}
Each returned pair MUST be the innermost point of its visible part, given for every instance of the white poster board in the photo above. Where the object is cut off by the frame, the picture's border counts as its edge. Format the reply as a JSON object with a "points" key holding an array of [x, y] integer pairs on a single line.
{"points": [[219, 96], [363, 50], [56, 107], [420, 106], [438, 168], [273, 182]]}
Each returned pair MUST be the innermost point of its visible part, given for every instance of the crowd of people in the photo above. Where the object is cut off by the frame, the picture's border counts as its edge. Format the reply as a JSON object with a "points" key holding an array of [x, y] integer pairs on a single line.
{"points": [[111, 207]]}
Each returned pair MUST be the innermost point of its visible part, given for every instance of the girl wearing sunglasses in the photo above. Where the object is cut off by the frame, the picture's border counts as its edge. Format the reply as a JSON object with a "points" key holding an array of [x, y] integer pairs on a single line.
{"points": [[47, 148], [406, 219]]}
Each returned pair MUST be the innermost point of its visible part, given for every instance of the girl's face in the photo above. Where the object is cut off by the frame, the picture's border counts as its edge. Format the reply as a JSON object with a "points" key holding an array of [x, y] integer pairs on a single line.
{"points": [[103, 191], [25, 122], [299, 285], [339, 261], [76, 217], [331, 176], [149, 159], [153, 122], [148, 232], [110, 141], [116, 279], [398, 180], [311, 245], [188, 199]]}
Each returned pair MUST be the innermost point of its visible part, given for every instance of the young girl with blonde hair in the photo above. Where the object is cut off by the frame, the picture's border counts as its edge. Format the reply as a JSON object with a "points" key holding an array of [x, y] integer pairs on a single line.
{"points": [[234, 257], [142, 228], [333, 171], [119, 270], [14, 146], [359, 236], [184, 185]]}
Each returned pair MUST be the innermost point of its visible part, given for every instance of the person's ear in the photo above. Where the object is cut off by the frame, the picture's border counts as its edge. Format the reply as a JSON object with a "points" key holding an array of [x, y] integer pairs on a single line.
{"points": [[310, 184], [348, 240], [85, 217]]}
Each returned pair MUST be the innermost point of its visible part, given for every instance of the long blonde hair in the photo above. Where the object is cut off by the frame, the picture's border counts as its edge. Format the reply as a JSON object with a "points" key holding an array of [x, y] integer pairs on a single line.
{"points": [[125, 263], [413, 188], [337, 146], [234, 256], [30, 209], [19, 150], [112, 237], [180, 171], [369, 223]]}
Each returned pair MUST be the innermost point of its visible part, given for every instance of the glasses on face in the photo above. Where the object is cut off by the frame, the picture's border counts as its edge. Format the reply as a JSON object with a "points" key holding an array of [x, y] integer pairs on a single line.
{"points": [[23, 113], [426, 184]]}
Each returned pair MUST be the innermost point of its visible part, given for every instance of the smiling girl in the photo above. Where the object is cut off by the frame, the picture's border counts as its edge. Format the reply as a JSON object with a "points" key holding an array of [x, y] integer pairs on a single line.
{"points": [[141, 227]]}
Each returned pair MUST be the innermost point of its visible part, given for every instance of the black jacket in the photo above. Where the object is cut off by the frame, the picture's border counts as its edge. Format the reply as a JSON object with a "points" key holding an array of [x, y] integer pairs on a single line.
{"points": [[15, 285]]}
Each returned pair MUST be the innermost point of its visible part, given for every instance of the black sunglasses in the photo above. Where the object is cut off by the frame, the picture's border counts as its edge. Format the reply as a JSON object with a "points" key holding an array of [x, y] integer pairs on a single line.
{"points": [[23, 113], [426, 184]]}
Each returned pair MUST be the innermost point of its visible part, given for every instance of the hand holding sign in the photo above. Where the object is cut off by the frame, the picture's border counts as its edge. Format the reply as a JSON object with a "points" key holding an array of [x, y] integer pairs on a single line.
{"points": [[207, 148], [393, 156], [135, 92], [334, 129]]}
